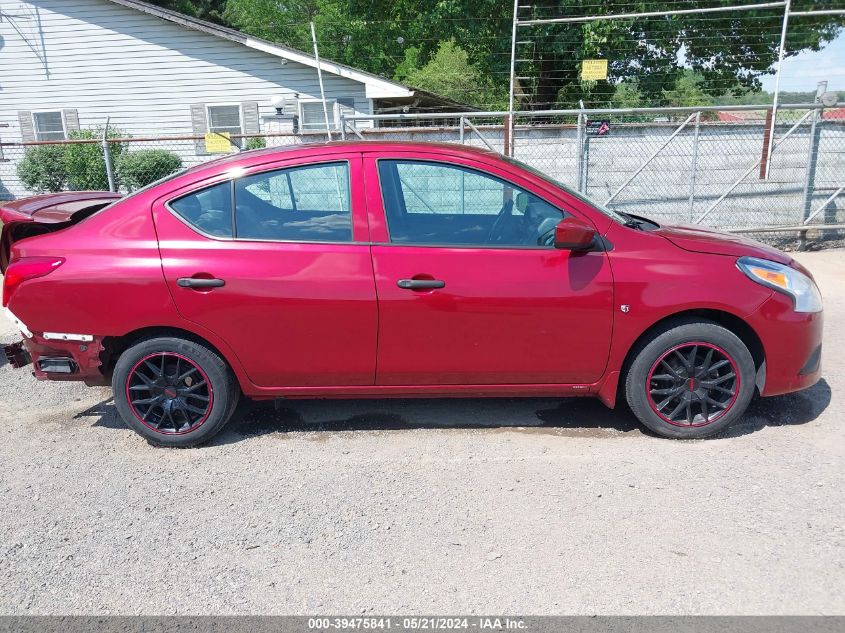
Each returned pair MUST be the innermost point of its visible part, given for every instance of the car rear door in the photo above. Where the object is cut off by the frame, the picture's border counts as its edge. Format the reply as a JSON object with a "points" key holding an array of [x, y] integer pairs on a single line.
{"points": [[276, 262], [464, 300]]}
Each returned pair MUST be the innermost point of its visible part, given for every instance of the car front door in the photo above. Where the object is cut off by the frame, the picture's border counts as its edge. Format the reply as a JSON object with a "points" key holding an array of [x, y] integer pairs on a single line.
{"points": [[286, 279], [470, 289]]}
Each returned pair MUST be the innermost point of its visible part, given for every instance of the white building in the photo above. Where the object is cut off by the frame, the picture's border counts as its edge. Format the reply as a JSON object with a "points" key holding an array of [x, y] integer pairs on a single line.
{"points": [[70, 64]]}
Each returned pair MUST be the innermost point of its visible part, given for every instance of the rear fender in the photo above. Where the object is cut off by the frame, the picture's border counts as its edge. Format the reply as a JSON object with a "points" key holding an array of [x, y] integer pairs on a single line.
{"points": [[46, 213]]}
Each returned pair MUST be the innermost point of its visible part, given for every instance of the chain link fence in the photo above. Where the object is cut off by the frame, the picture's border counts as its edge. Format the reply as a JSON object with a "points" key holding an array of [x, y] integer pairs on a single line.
{"points": [[680, 165], [677, 165]]}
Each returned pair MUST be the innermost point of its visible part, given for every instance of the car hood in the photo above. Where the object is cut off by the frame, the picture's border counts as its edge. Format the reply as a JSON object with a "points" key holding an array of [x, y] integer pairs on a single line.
{"points": [[703, 240]]}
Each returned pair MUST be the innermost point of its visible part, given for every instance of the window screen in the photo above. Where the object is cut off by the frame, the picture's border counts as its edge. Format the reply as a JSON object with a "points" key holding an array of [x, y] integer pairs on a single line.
{"points": [[313, 117], [48, 126], [301, 204], [225, 118]]}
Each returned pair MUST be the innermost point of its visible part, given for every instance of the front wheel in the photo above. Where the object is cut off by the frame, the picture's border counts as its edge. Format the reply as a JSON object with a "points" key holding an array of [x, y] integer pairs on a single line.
{"points": [[173, 391], [690, 380]]}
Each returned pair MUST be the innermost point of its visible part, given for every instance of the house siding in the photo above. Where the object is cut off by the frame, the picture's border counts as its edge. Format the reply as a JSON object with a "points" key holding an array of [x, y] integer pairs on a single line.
{"points": [[106, 60]]}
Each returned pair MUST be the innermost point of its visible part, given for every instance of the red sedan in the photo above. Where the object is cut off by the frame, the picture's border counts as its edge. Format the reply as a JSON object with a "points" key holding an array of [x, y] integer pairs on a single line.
{"points": [[395, 269]]}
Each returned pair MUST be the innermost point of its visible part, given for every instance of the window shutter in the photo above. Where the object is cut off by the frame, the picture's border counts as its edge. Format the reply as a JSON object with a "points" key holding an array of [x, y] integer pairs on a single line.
{"points": [[71, 117], [200, 127], [27, 128], [250, 111]]}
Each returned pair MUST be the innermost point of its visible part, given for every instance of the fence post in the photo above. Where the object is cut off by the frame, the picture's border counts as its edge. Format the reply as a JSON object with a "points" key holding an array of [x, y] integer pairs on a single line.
{"points": [[462, 130], [694, 165], [585, 170], [506, 131], [766, 166], [580, 150], [107, 157], [812, 164]]}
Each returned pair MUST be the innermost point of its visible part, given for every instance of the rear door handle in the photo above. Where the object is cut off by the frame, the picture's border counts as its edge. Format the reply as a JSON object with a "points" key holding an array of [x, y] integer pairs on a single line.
{"points": [[195, 282], [420, 284]]}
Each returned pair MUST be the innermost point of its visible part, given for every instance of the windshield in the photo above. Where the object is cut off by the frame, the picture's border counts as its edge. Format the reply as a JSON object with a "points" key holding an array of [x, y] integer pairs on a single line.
{"points": [[611, 214]]}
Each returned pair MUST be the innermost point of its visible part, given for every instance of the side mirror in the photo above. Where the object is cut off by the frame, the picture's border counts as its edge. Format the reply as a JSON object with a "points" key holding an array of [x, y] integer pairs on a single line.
{"points": [[573, 235]]}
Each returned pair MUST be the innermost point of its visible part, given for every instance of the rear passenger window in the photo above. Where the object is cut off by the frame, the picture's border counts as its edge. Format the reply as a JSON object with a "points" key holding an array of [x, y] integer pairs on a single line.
{"points": [[300, 204], [209, 210]]}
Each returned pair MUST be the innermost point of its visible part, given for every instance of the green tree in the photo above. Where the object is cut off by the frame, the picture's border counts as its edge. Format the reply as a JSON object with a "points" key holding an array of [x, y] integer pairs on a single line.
{"points": [[142, 167], [211, 10], [730, 50], [344, 34], [449, 73], [689, 90], [41, 170], [84, 163], [627, 95]]}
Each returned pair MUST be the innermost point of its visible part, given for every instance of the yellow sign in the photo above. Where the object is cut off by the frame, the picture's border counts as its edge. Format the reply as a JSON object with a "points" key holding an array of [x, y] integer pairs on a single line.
{"points": [[594, 69], [218, 143]]}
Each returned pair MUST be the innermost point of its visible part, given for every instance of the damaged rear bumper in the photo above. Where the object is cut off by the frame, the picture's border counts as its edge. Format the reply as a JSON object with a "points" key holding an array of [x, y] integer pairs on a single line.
{"points": [[59, 360], [57, 356], [66, 360]]}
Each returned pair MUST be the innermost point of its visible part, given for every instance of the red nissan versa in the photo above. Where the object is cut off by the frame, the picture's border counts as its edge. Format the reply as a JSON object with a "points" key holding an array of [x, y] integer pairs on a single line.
{"points": [[395, 269]]}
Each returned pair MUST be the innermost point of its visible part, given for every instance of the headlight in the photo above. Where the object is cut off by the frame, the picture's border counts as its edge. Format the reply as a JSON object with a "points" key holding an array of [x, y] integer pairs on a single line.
{"points": [[803, 290]]}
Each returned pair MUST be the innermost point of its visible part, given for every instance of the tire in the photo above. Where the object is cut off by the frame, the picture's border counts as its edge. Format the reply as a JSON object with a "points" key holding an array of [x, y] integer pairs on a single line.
{"points": [[680, 399], [173, 391]]}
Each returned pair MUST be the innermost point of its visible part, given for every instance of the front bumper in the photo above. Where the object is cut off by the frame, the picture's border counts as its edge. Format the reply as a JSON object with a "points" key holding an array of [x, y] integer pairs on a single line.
{"points": [[792, 343]]}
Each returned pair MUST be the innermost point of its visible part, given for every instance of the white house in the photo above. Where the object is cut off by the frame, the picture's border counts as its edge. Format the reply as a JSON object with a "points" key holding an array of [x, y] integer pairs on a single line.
{"points": [[66, 64]]}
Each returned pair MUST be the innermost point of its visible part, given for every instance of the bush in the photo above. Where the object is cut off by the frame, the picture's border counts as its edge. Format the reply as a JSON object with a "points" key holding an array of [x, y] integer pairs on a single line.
{"points": [[42, 169], [139, 169], [84, 162], [256, 142]]}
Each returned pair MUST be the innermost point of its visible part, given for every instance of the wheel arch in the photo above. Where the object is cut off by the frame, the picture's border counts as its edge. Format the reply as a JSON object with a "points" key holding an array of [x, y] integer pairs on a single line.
{"points": [[116, 345], [728, 320]]}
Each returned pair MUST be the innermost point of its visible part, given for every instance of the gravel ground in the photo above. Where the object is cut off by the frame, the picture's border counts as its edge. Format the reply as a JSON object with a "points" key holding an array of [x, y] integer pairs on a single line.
{"points": [[432, 506]]}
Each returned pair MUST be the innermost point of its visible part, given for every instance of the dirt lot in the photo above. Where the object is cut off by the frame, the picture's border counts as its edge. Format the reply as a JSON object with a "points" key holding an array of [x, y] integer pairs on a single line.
{"points": [[460, 506]]}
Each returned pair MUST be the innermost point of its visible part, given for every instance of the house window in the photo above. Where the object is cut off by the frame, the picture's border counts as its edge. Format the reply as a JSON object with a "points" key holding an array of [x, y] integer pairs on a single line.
{"points": [[226, 118], [312, 116], [49, 126]]}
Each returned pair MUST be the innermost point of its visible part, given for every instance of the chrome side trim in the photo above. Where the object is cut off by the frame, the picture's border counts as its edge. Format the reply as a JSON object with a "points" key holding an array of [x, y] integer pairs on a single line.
{"points": [[60, 336]]}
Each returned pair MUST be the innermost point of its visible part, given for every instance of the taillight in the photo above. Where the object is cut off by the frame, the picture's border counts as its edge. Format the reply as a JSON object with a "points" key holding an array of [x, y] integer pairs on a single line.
{"points": [[27, 268]]}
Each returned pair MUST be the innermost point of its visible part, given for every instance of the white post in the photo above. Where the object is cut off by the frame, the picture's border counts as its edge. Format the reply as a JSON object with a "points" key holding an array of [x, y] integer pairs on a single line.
{"points": [[320, 78], [107, 156], [777, 88], [509, 130]]}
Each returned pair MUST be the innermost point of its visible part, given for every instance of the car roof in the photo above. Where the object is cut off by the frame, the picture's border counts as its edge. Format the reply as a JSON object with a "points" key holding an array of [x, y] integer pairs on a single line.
{"points": [[258, 156]]}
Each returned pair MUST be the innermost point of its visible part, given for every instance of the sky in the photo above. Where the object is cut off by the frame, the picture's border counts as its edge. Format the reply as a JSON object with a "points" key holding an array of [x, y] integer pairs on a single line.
{"points": [[802, 72]]}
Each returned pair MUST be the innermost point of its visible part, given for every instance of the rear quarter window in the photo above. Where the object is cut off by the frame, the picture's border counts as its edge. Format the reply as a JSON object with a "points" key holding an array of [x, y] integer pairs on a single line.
{"points": [[208, 210]]}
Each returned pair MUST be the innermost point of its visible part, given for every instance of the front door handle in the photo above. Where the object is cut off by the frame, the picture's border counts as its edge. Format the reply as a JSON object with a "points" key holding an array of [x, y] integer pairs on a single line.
{"points": [[199, 282], [420, 284]]}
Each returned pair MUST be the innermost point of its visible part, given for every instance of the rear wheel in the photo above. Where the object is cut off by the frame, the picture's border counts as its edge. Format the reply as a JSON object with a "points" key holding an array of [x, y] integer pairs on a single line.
{"points": [[174, 392], [690, 380]]}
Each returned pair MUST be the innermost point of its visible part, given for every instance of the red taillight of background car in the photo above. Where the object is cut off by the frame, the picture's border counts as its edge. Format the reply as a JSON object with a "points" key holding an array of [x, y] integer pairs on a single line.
{"points": [[27, 268]]}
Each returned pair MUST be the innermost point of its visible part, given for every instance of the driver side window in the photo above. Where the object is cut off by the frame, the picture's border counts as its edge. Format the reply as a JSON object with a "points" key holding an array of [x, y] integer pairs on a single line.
{"points": [[438, 203]]}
